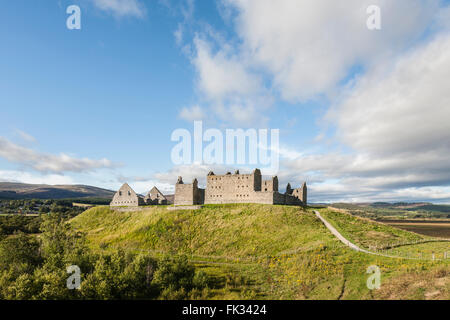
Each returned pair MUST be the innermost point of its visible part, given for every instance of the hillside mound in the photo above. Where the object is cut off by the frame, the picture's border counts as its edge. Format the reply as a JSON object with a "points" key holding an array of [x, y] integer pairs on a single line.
{"points": [[238, 230], [262, 251]]}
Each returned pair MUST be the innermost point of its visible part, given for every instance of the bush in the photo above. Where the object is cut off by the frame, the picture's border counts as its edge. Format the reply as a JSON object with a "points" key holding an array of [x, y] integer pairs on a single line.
{"points": [[36, 269], [200, 280], [20, 253], [177, 279], [175, 273], [120, 276]]}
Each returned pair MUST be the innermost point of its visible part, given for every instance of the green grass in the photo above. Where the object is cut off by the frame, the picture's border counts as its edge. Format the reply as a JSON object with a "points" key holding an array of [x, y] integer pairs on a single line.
{"points": [[367, 233], [427, 250], [255, 251], [222, 230]]}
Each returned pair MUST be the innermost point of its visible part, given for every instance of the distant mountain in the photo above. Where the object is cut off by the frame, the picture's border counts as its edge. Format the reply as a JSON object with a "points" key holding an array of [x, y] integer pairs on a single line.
{"points": [[400, 205], [13, 190], [381, 204]]}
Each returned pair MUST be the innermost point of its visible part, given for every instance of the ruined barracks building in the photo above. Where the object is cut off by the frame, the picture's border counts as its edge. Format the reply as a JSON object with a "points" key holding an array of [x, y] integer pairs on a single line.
{"points": [[228, 188], [238, 188], [126, 197]]}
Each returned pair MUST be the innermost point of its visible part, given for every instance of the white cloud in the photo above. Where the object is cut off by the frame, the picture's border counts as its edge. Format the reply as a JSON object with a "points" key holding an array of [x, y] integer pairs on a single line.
{"points": [[188, 172], [221, 75], [346, 176], [27, 177], [392, 119], [25, 136], [309, 46], [185, 9], [395, 120], [401, 111], [192, 114], [298, 48], [230, 88], [337, 193], [122, 8], [178, 34], [443, 19], [47, 162], [142, 186], [436, 194]]}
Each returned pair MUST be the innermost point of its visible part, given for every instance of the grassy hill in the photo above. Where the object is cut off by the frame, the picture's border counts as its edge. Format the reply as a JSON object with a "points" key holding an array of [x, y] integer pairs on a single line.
{"points": [[368, 233], [263, 252], [12, 190]]}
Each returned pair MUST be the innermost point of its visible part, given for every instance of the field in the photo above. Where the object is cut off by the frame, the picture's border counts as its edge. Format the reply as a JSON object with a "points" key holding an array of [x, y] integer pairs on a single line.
{"points": [[400, 210], [430, 228], [270, 252]]}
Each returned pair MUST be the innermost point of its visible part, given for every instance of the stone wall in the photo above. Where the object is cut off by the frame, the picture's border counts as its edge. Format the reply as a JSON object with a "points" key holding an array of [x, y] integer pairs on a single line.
{"points": [[257, 179], [279, 198], [292, 200], [286, 199], [199, 196], [155, 197], [304, 197], [301, 193], [188, 194], [263, 197], [232, 188], [270, 185], [237, 188], [184, 194], [126, 197]]}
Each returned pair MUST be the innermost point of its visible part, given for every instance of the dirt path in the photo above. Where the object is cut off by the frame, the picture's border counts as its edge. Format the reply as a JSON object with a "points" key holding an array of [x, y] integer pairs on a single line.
{"points": [[340, 236], [353, 246]]}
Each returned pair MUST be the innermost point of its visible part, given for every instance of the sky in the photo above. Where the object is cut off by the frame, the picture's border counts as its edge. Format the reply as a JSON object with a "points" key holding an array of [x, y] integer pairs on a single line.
{"points": [[363, 115]]}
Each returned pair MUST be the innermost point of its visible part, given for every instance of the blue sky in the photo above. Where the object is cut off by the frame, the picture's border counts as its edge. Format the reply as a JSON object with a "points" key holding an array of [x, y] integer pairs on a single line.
{"points": [[98, 105]]}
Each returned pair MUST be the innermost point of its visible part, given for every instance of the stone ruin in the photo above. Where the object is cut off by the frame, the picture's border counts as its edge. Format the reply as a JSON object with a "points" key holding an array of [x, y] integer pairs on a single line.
{"points": [[126, 197], [238, 188], [220, 189]]}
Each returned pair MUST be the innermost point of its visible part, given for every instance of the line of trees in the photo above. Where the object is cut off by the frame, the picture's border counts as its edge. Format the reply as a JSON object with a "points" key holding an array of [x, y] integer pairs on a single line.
{"points": [[37, 206]]}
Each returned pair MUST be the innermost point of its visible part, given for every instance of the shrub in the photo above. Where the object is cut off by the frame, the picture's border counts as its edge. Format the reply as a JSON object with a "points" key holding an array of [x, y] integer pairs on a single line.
{"points": [[175, 273], [35, 268]]}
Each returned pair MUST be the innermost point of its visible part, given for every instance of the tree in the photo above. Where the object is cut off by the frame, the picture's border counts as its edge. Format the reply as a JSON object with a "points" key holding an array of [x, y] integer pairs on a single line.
{"points": [[20, 253]]}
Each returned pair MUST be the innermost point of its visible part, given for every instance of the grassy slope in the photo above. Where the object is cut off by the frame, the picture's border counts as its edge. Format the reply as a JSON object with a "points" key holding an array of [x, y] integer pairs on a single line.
{"points": [[232, 230], [253, 251], [367, 233]]}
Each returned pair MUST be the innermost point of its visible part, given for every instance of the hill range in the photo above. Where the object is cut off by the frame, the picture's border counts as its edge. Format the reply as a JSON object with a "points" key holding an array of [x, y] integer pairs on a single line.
{"points": [[13, 190]]}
